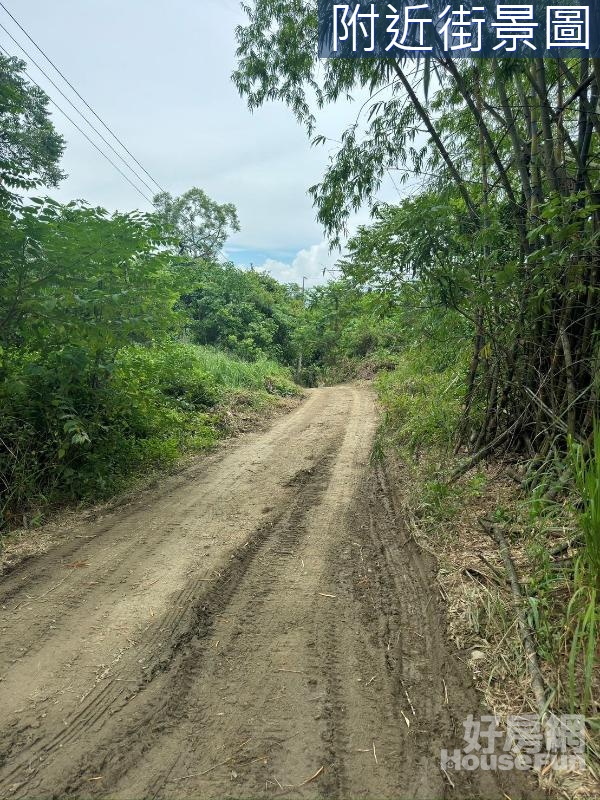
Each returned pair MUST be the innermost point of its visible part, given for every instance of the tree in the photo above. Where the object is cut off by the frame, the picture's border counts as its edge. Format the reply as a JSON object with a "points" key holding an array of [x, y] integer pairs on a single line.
{"points": [[78, 287], [73, 276], [199, 225], [246, 312], [519, 141], [30, 147]]}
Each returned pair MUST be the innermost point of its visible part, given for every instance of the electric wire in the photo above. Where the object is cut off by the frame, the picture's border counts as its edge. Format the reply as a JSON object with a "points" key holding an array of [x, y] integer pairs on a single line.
{"points": [[83, 100], [82, 115], [74, 107], [102, 153], [80, 129]]}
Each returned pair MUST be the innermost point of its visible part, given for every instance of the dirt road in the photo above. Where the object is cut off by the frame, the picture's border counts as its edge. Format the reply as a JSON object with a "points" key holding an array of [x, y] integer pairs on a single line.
{"points": [[261, 626]]}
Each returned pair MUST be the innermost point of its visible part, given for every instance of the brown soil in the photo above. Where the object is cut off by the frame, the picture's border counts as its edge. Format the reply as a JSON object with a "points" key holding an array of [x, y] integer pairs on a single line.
{"points": [[261, 625]]}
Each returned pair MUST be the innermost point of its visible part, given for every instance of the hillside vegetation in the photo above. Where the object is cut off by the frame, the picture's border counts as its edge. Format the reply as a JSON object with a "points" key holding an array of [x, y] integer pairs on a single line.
{"points": [[125, 341]]}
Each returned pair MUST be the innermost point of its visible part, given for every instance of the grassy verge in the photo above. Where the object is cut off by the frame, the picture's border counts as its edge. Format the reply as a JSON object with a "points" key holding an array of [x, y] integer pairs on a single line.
{"points": [[553, 539], [72, 444]]}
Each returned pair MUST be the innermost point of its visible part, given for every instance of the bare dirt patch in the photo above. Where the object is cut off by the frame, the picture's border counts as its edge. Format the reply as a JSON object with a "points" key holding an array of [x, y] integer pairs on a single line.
{"points": [[262, 624], [239, 416]]}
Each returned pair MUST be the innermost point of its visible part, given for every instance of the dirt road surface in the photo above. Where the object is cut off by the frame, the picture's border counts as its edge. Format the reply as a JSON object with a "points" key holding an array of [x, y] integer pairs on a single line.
{"points": [[259, 626]]}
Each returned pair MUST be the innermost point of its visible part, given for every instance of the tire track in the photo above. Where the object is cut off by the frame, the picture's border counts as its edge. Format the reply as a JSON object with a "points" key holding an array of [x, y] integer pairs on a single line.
{"points": [[189, 622], [262, 627]]}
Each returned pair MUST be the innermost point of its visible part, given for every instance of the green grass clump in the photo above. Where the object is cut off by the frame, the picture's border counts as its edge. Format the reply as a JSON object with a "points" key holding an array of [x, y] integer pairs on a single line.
{"points": [[73, 432], [230, 372], [421, 406], [583, 612]]}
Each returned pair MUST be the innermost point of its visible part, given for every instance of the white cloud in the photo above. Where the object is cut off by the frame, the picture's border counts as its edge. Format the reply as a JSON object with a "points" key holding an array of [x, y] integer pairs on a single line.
{"points": [[162, 81], [309, 263]]}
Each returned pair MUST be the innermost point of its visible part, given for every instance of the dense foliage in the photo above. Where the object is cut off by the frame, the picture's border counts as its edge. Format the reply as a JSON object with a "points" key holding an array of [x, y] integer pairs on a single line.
{"points": [[95, 381], [246, 312], [30, 147], [508, 230], [101, 320]]}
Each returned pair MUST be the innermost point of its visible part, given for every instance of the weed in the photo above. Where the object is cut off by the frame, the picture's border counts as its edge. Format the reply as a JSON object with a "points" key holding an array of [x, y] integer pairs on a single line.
{"points": [[586, 470], [69, 442]]}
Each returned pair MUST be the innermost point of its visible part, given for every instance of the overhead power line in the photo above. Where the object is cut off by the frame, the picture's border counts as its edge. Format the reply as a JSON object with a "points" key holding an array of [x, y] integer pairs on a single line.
{"points": [[74, 107], [83, 133], [83, 100]]}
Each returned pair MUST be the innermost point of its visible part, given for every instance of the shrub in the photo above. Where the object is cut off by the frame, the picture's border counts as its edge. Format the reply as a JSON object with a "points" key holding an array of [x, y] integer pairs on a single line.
{"points": [[66, 435]]}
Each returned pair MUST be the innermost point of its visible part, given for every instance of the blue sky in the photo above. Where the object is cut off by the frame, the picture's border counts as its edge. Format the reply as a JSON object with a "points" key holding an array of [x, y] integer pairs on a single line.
{"points": [[159, 74]]}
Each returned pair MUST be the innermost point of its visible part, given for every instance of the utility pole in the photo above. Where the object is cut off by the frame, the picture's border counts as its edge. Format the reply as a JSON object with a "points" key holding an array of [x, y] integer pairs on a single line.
{"points": [[299, 366]]}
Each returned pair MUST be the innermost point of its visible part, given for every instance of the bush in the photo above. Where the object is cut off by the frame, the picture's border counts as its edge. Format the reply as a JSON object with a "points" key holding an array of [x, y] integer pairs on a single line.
{"points": [[68, 435], [422, 403]]}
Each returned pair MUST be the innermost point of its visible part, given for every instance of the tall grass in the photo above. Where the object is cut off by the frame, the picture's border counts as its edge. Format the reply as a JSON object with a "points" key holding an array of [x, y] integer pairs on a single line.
{"points": [[582, 611], [586, 470], [230, 372], [421, 405], [80, 442]]}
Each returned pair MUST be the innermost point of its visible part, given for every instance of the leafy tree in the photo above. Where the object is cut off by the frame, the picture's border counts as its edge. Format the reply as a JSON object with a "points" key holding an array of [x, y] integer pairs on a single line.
{"points": [[77, 276], [200, 225], [519, 141], [30, 147], [78, 286], [246, 312]]}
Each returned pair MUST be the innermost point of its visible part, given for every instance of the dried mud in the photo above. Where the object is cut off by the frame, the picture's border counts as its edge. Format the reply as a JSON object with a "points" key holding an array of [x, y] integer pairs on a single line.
{"points": [[260, 626]]}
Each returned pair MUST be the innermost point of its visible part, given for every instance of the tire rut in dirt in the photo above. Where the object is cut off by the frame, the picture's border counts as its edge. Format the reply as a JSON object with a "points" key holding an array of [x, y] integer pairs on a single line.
{"points": [[175, 650], [430, 674], [306, 657], [192, 686]]}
